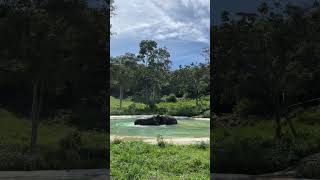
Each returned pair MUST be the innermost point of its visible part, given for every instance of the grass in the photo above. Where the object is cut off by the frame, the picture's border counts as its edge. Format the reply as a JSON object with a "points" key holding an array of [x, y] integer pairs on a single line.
{"points": [[250, 147], [15, 140], [126, 103], [139, 160], [183, 107]]}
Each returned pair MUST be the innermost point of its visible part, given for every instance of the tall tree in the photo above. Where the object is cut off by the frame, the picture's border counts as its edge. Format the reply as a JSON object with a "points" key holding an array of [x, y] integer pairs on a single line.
{"points": [[157, 64]]}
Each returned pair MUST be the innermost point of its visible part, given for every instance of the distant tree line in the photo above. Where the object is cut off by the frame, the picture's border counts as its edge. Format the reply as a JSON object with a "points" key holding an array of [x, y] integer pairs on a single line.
{"points": [[266, 61], [147, 76]]}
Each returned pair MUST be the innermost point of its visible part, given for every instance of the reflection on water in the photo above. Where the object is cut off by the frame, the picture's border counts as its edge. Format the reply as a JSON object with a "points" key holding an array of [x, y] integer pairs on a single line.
{"points": [[184, 128]]}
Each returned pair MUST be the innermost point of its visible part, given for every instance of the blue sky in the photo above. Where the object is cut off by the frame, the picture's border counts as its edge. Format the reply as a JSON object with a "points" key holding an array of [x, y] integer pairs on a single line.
{"points": [[180, 25]]}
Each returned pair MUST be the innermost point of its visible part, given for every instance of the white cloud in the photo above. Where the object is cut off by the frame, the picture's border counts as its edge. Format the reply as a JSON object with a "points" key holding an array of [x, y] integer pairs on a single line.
{"points": [[162, 20]]}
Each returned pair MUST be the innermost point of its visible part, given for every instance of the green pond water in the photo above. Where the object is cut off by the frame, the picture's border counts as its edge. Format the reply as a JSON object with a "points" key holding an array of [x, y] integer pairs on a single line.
{"points": [[184, 128]]}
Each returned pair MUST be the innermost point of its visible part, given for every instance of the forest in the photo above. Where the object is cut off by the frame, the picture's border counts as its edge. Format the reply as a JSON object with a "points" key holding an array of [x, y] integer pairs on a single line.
{"points": [[146, 82], [265, 90], [53, 81]]}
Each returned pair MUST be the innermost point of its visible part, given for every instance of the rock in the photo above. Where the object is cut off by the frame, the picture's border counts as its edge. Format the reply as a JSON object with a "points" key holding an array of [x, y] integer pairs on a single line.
{"points": [[156, 121]]}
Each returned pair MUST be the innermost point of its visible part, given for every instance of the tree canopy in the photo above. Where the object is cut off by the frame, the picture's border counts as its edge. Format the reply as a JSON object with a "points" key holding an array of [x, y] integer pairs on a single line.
{"points": [[266, 61]]}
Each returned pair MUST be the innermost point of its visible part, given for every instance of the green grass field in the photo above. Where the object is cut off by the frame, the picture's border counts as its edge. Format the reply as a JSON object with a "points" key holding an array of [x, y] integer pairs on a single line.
{"points": [[15, 140], [139, 160], [183, 107], [115, 105]]}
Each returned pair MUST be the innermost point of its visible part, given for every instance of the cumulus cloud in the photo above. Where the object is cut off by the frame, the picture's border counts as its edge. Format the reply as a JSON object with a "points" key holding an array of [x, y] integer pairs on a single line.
{"points": [[187, 20]]}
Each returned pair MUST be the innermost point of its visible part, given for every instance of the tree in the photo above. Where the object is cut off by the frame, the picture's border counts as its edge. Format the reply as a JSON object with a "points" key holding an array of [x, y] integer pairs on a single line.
{"points": [[260, 58], [47, 53], [156, 67], [195, 79], [123, 73]]}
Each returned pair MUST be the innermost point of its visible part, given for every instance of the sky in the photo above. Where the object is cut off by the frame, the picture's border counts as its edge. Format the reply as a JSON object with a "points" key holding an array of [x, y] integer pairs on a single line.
{"points": [[182, 26]]}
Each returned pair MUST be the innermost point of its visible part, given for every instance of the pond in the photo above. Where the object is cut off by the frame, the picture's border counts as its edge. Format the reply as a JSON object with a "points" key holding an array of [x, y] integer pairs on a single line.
{"points": [[186, 127]]}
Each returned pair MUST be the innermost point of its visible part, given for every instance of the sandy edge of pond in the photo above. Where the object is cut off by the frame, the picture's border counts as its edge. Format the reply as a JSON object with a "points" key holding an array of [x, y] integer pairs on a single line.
{"points": [[153, 140]]}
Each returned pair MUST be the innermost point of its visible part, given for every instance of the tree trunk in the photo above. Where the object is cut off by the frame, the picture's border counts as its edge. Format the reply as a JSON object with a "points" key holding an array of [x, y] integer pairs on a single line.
{"points": [[278, 126], [38, 88], [42, 86], [147, 99], [121, 96], [292, 128], [154, 94], [34, 120], [278, 130]]}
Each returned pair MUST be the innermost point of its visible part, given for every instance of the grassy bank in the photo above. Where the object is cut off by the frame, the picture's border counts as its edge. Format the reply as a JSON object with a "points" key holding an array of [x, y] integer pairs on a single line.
{"points": [[59, 146], [182, 107], [139, 160], [247, 145]]}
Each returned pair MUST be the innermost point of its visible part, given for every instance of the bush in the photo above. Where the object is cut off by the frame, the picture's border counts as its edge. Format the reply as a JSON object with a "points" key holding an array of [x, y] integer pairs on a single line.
{"points": [[186, 96], [171, 98], [117, 141], [132, 108], [202, 145], [71, 141], [206, 114], [310, 167], [160, 141], [62, 117], [16, 157], [245, 107], [310, 117], [259, 155], [253, 155]]}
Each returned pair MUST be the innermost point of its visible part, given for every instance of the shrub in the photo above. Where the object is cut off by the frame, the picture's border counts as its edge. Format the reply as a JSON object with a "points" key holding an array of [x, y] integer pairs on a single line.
{"points": [[117, 141], [15, 157], [310, 167], [259, 155], [160, 141], [171, 98], [202, 145], [311, 117], [245, 107], [161, 110], [206, 114], [183, 110], [71, 141], [186, 95], [132, 108], [244, 155]]}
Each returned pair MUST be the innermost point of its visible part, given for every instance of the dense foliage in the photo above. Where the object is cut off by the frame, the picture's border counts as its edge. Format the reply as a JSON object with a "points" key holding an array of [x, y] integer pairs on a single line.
{"points": [[265, 69], [267, 61], [53, 59], [180, 107], [54, 54]]}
